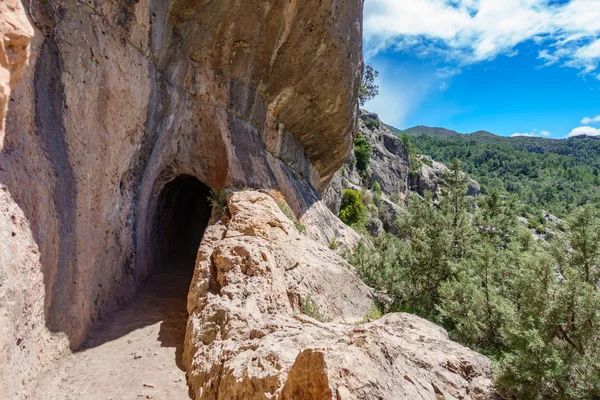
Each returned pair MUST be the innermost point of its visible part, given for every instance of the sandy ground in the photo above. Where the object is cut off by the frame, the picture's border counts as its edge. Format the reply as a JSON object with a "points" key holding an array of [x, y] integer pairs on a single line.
{"points": [[135, 353]]}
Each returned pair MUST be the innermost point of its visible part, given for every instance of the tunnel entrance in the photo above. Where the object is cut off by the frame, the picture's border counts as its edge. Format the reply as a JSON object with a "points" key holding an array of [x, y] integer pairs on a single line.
{"points": [[182, 217], [152, 326]]}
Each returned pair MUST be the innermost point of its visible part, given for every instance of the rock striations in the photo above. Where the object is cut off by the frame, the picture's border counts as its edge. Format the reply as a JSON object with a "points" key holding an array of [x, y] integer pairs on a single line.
{"points": [[122, 98]]}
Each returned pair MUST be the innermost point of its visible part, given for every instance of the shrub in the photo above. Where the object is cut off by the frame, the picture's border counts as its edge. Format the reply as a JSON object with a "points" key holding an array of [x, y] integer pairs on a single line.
{"points": [[372, 124], [218, 200], [414, 161], [362, 153], [377, 194], [352, 210], [311, 308], [375, 313]]}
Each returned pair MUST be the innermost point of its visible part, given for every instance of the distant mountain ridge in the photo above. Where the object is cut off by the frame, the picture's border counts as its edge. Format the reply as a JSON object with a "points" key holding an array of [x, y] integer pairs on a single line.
{"points": [[481, 136], [556, 175]]}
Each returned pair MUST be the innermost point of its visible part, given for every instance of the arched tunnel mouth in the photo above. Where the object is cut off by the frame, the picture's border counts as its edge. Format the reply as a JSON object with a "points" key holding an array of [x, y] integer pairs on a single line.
{"points": [[158, 311], [182, 215]]}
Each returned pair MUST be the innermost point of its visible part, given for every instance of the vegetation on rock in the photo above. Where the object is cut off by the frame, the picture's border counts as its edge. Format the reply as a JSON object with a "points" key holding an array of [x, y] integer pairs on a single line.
{"points": [[218, 200], [368, 89], [362, 152], [352, 210]]}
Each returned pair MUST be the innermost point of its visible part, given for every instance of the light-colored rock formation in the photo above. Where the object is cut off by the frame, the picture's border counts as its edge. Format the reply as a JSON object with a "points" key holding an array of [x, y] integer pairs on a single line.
{"points": [[431, 175], [388, 165], [248, 339], [15, 35], [119, 99]]}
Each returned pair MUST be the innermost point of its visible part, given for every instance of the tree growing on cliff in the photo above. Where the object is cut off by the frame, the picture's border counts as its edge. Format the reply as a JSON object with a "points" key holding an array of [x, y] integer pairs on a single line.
{"points": [[352, 210], [362, 153], [368, 89]]}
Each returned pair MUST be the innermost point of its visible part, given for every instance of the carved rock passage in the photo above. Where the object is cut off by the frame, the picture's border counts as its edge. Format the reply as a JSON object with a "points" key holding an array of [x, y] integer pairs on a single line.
{"points": [[122, 97], [248, 339]]}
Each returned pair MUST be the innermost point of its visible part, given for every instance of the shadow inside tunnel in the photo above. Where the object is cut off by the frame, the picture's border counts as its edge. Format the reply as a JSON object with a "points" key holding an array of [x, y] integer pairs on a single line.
{"points": [[183, 214]]}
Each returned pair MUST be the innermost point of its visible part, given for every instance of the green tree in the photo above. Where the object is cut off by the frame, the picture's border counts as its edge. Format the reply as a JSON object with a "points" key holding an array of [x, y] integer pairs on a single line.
{"points": [[362, 152], [534, 307], [456, 205], [368, 89], [414, 161], [377, 199], [352, 210]]}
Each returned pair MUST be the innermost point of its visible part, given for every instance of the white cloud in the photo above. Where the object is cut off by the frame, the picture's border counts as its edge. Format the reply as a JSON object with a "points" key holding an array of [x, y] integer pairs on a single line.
{"points": [[549, 59], [588, 120], [523, 135], [584, 130], [469, 31], [533, 133]]}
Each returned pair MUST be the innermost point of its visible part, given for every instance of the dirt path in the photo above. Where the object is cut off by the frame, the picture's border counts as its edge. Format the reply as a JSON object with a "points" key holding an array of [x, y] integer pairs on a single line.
{"points": [[132, 354]]}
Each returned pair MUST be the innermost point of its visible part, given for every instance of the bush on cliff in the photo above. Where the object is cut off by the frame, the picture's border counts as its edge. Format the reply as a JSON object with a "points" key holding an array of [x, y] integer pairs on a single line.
{"points": [[362, 153], [352, 210]]}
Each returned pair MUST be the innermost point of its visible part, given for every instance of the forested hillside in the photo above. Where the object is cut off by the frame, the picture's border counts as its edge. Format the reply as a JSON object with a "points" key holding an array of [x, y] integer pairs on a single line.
{"points": [[556, 175], [522, 291], [531, 305]]}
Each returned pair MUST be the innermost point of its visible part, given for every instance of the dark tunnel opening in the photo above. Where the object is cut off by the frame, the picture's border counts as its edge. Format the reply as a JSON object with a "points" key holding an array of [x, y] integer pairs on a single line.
{"points": [[182, 217]]}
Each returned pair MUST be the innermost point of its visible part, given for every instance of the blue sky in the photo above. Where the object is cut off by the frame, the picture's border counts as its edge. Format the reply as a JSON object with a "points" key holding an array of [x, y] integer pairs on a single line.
{"points": [[507, 66]]}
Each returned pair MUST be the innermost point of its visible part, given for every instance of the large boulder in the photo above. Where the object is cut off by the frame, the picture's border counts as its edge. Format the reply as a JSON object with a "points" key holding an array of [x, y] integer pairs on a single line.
{"points": [[274, 314]]}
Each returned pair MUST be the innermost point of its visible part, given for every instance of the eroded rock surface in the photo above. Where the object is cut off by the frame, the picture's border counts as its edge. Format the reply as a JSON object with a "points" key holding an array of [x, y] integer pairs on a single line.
{"points": [[122, 97], [26, 346], [15, 35], [248, 336]]}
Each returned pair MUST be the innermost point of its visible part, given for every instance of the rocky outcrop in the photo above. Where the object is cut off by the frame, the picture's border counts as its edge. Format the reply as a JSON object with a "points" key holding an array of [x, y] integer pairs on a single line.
{"points": [[431, 175], [122, 97], [249, 337], [388, 164]]}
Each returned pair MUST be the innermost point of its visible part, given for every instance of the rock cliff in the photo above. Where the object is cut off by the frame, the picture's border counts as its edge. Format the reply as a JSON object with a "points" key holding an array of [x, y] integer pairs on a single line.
{"points": [[123, 97], [389, 166], [126, 115]]}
